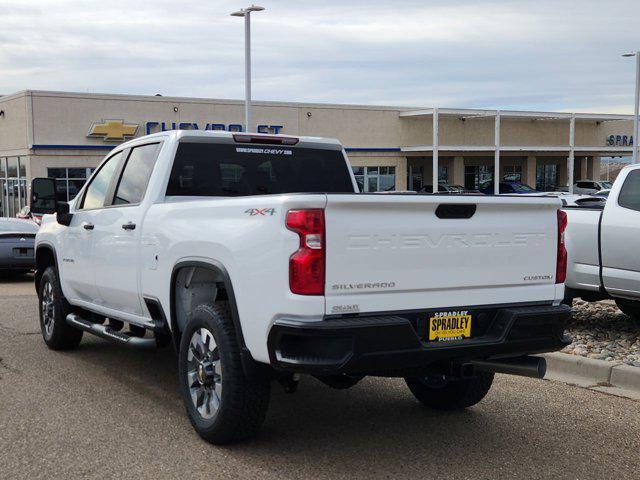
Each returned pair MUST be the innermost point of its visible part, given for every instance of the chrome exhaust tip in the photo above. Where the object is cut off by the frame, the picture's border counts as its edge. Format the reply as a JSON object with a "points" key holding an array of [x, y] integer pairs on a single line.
{"points": [[525, 366]]}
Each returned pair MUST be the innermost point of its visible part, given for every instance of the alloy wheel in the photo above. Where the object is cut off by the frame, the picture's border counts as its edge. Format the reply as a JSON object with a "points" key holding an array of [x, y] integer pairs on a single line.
{"points": [[48, 309], [204, 373]]}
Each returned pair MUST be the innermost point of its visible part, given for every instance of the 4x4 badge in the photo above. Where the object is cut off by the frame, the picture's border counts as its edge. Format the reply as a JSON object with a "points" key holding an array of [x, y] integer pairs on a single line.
{"points": [[252, 212]]}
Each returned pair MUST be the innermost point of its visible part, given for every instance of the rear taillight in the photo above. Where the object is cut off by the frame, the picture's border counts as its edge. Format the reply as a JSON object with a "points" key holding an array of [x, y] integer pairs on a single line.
{"points": [[561, 264], [306, 265]]}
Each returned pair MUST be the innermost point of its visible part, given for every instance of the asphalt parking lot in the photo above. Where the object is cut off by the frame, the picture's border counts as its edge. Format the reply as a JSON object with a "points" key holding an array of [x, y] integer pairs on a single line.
{"points": [[107, 412]]}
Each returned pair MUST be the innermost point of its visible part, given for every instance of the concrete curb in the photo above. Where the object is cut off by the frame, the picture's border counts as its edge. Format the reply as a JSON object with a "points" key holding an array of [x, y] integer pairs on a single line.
{"points": [[615, 378]]}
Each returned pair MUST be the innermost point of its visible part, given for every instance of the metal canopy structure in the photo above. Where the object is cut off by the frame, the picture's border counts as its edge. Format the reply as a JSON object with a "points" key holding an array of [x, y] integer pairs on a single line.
{"points": [[470, 113]]}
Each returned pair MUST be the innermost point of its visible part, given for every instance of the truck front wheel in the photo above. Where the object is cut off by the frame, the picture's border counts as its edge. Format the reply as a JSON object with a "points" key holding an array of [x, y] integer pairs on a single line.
{"points": [[54, 308], [630, 308], [442, 392], [223, 404]]}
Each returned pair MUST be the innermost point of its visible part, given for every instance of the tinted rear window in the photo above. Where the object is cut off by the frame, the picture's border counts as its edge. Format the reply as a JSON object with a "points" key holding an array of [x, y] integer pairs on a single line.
{"points": [[630, 193], [209, 169]]}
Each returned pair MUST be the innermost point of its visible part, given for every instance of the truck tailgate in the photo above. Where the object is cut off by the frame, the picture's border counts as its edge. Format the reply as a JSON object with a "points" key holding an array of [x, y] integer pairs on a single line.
{"points": [[403, 252]]}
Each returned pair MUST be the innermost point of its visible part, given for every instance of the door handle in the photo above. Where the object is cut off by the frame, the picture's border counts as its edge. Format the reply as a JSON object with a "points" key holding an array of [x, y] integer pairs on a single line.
{"points": [[88, 226], [129, 226]]}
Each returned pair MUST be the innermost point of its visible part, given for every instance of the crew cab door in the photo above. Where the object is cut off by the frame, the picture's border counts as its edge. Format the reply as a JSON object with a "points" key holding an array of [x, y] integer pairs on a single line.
{"points": [[116, 242], [620, 237], [76, 241]]}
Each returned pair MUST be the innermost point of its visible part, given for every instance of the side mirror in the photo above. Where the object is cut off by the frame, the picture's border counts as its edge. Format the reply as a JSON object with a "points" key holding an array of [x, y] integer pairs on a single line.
{"points": [[45, 200], [62, 213], [43, 196]]}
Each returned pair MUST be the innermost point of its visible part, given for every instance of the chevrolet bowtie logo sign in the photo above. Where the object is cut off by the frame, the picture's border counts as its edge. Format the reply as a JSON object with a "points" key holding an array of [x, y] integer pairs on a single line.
{"points": [[113, 130]]}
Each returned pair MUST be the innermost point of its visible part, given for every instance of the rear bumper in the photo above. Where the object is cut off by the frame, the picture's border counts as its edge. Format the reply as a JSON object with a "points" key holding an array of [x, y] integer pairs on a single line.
{"points": [[391, 345], [12, 259]]}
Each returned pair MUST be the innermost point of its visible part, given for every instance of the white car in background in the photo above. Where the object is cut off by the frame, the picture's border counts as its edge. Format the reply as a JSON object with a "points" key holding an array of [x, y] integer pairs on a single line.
{"points": [[602, 245], [590, 187]]}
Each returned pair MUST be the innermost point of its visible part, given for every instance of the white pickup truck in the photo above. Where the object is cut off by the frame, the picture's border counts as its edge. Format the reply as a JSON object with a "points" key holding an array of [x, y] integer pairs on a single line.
{"points": [[602, 244], [257, 258]]}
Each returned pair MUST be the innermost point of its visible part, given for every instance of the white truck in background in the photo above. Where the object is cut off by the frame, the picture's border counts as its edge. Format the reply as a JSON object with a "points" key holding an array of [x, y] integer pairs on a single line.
{"points": [[603, 246], [257, 258]]}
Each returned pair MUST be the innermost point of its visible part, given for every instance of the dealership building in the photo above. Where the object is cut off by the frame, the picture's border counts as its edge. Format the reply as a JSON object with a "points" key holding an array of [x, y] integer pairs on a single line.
{"points": [[65, 135]]}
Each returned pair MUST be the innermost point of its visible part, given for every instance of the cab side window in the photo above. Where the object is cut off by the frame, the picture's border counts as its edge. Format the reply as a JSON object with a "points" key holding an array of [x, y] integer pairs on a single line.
{"points": [[630, 193], [96, 192], [135, 175]]}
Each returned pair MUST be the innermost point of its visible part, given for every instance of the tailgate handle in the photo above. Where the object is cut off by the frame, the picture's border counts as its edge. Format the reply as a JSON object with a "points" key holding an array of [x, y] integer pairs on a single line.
{"points": [[455, 210]]}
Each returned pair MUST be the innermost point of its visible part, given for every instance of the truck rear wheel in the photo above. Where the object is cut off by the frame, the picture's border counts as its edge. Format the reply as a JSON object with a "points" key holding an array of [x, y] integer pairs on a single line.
{"points": [[223, 404], [54, 308], [630, 308], [450, 393]]}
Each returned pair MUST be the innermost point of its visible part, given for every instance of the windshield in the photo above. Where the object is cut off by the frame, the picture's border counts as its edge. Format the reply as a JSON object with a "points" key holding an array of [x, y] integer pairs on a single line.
{"points": [[229, 170], [606, 184], [21, 226]]}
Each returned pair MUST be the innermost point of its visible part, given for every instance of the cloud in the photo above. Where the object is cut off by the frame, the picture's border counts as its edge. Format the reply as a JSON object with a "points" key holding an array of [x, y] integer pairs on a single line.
{"points": [[547, 55]]}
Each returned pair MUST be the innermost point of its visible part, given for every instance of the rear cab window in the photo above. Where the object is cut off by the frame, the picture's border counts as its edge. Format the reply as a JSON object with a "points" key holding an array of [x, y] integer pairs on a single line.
{"points": [[230, 170], [630, 193]]}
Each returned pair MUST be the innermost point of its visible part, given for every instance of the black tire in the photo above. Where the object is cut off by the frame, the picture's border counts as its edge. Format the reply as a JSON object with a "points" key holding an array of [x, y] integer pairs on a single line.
{"points": [[242, 401], [54, 308], [630, 308], [449, 393], [568, 301]]}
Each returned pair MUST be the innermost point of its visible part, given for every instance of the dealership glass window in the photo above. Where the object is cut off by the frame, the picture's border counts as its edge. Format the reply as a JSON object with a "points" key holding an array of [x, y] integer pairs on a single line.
{"points": [[375, 179], [443, 173], [13, 186], [3, 187], [512, 173], [416, 178], [477, 176], [70, 180], [12, 167], [546, 177]]}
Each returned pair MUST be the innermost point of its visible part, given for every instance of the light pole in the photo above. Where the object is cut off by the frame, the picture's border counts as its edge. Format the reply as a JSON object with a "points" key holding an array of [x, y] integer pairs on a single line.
{"points": [[635, 106], [246, 13]]}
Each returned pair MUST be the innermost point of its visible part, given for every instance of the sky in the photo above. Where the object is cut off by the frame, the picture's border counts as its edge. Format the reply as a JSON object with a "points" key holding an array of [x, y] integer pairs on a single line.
{"points": [[539, 55]]}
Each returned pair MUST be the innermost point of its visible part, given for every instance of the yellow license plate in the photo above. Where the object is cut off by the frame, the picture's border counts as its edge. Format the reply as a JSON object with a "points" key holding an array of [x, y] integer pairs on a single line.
{"points": [[447, 326]]}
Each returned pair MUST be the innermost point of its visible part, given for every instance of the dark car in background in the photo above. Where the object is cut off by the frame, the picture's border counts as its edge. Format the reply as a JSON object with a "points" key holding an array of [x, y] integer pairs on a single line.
{"points": [[443, 187], [517, 188], [17, 237]]}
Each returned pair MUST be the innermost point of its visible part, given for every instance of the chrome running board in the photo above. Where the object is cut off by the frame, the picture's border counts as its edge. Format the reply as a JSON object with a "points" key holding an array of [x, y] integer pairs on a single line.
{"points": [[106, 332]]}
